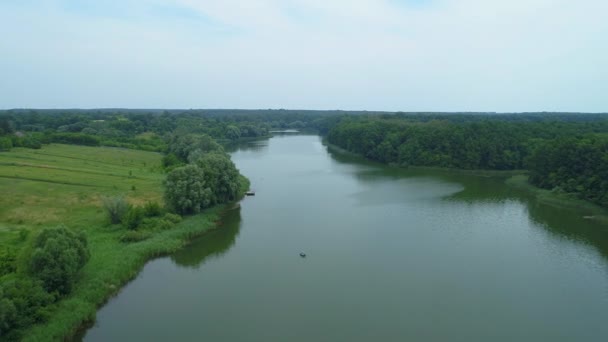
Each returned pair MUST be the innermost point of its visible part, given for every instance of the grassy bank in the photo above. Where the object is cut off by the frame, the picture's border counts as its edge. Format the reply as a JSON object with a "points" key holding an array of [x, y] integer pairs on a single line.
{"points": [[64, 184]]}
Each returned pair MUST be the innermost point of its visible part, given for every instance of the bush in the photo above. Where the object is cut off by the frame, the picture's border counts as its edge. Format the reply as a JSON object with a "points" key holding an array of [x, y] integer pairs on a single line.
{"points": [[58, 256], [171, 161], [23, 302], [173, 218], [31, 142], [5, 143], [134, 236], [132, 219], [8, 256], [165, 225], [116, 208], [75, 139], [152, 209]]}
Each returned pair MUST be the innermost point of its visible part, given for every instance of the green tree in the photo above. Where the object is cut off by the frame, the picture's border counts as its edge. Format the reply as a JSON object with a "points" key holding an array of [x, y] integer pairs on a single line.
{"points": [[221, 176], [233, 132], [23, 302], [58, 255], [186, 191]]}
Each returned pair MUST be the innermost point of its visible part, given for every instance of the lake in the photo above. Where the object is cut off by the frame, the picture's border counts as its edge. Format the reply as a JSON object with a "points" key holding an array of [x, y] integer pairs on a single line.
{"points": [[391, 255]]}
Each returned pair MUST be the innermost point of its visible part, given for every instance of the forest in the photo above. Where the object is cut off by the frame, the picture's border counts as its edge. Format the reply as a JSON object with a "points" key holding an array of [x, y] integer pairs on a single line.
{"points": [[562, 152]]}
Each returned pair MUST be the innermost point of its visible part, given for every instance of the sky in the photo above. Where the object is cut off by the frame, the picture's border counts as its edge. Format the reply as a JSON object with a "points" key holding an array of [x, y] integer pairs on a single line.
{"points": [[393, 55]]}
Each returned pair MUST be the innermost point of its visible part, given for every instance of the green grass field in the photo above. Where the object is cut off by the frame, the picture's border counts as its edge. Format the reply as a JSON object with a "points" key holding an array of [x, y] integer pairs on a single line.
{"points": [[64, 184]]}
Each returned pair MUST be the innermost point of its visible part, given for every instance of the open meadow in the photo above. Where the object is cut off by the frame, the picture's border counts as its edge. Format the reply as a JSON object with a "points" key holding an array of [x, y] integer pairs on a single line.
{"points": [[65, 183]]}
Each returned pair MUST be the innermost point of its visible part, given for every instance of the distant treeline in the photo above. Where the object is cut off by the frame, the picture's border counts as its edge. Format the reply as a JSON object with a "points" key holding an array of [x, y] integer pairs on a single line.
{"points": [[563, 152], [148, 129]]}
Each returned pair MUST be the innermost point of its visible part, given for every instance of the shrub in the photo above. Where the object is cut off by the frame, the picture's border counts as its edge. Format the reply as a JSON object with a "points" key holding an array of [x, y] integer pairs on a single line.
{"points": [[164, 225], [171, 161], [58, 256], [31, 142], [116, 207], [23, 302], [173, 218], [134, 236], [8, 257], [75, 139], [5, 143], [132, 219], [152, 209]]}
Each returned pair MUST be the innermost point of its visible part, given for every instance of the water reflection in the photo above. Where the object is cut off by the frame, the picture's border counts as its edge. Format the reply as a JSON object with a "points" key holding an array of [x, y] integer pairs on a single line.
{"points": [[250, 146], [562, 223], [213, 244], [570, 224]]}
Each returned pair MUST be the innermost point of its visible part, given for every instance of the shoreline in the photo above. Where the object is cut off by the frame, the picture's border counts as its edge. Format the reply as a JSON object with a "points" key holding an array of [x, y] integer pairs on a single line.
{"points": [[481, 173], [562, 200], [514, 178], [73, 315]]}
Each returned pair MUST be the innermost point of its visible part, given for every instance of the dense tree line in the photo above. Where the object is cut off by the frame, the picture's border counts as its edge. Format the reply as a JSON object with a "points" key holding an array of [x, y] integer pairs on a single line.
{"points": [[562, 152], [573, 165], [150, 129]]}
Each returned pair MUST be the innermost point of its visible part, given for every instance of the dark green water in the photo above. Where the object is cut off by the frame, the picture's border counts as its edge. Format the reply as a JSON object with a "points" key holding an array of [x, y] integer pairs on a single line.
{"points": [[393, 255]]}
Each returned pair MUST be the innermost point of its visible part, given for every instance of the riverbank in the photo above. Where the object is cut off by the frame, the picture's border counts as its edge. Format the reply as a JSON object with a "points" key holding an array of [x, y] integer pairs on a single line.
{"points": [[515, 178], [565, 200], [481, 173], [113, 264], [65, 185]]}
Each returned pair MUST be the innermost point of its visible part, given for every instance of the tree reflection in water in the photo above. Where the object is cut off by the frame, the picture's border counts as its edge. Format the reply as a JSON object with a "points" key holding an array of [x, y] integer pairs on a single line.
{"points": [[213, 244]]}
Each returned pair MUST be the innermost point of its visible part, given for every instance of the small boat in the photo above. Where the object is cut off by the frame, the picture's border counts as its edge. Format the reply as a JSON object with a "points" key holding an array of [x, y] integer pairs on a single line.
{"points": [[303, 255], [250, 193]]}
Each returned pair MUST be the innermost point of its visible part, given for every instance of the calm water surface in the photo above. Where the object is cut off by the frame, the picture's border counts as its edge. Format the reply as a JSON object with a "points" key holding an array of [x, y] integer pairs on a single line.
{"points": [[393, 255]]}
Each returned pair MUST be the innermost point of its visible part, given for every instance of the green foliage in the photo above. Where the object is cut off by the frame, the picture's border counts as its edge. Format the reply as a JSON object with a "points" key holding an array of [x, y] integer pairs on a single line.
{"points": [[5, 143], [8, 257], [134, 236], [171, 161], [133, 218], [567, 156], [116, 208], [573, 165], [23, 302], [220, 175], [152, 209], [186, 191], [75, 139], [58, 255], [233, 132], [165, 224], [182, 145], [174, 218]]}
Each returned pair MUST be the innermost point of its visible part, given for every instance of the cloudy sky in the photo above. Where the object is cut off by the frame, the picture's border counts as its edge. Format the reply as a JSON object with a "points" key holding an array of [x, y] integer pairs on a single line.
{"points": [[409, 55]]}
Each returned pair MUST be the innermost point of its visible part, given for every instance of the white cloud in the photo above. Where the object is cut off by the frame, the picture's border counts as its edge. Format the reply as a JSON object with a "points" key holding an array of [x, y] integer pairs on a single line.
{"points": [[359, 54]]}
